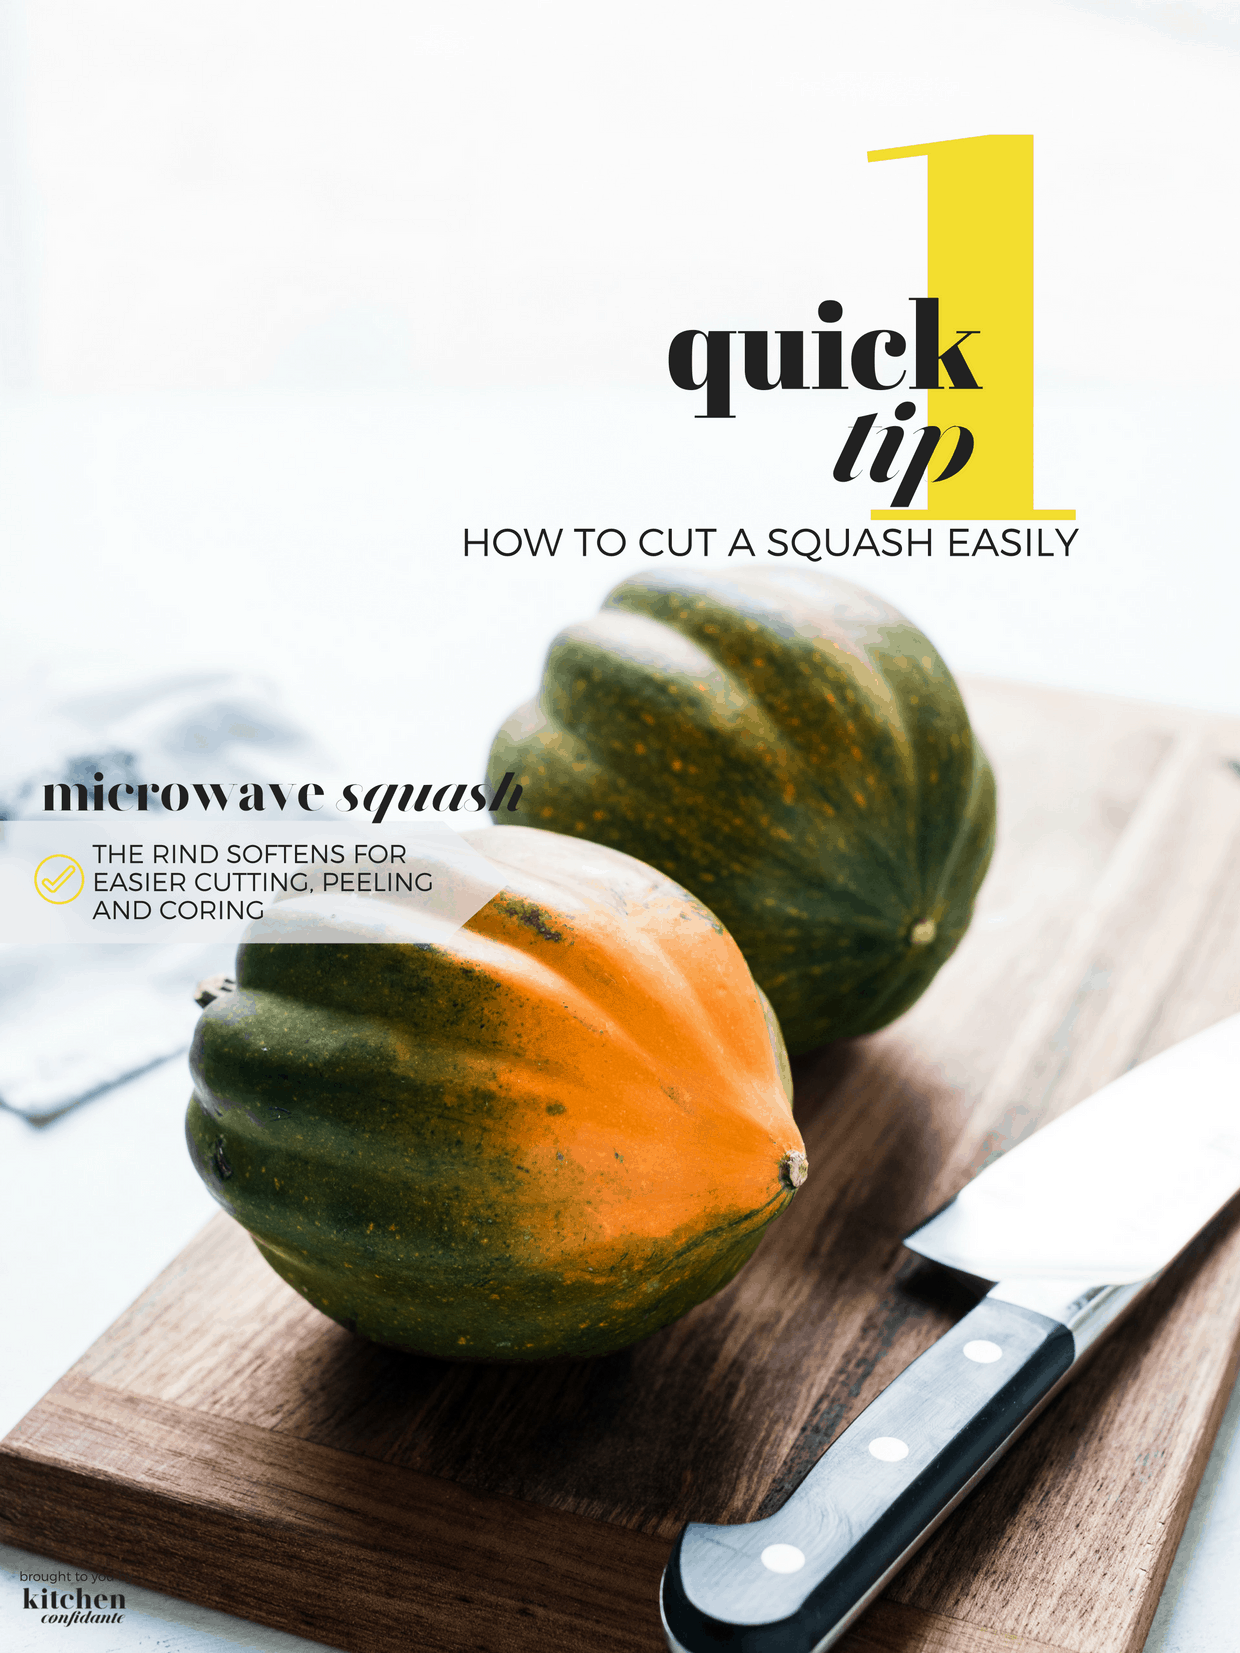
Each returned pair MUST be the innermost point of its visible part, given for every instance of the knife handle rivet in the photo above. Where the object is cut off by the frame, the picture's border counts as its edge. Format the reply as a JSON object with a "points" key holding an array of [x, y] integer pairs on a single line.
{"points": [[782, 1558], [888, 1449], [982, 1351]]}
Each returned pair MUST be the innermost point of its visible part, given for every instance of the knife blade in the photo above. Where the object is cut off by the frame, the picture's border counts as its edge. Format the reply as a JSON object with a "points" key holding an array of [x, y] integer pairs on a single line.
{"points": [[1072, 1226]]}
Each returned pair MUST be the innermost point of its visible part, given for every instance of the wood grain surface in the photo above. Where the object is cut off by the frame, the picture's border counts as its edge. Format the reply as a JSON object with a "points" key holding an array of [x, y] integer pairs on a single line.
{"points": [[225, 1443]]}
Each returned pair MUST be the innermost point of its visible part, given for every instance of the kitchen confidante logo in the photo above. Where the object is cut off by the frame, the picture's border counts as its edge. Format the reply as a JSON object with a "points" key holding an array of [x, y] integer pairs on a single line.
{"points": [[968, 344], [79, 1607]]}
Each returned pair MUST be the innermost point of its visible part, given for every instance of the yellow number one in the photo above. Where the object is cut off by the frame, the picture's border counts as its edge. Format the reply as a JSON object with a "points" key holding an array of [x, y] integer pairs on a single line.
{"points": [[979, 255]]}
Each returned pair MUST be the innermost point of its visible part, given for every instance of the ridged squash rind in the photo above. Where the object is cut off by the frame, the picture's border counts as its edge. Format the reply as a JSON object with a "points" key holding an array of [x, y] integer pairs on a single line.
{"points": [[791, 749], [549, 1135]]}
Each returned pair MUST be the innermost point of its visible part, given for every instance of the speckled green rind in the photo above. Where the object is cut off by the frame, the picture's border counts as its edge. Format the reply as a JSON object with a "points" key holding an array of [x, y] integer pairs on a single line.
{"points": [[792, 750], [344, 1110]]}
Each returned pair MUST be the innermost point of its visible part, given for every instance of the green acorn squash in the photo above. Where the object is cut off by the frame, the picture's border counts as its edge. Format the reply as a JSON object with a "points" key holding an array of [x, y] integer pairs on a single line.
{"points": [[548, 1133], [792, 750]]}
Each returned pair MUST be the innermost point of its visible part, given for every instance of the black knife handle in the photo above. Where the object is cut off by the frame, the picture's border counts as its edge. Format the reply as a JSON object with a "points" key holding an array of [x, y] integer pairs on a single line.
{"points": [[794, 1582]]}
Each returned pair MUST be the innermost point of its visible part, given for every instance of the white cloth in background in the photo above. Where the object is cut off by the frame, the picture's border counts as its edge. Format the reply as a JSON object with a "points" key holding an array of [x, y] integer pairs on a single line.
{"points": [[77, 1020], [202, 726]]}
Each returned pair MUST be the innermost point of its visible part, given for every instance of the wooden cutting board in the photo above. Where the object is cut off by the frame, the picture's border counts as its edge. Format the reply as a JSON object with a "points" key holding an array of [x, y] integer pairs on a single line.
{"points": [[225, 1443]]}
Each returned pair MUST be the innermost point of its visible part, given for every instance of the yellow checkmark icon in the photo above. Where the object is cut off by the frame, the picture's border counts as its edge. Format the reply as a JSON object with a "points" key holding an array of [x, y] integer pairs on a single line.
{"points": [[59, 879]]}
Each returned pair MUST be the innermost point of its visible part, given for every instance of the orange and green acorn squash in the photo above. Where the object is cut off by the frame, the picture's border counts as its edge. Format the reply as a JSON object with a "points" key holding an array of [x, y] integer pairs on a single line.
{"points": [[792, 750], [548, 1133]]}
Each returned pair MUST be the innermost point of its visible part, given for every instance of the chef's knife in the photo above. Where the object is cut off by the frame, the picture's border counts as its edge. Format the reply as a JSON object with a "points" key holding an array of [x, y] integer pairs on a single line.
{"points": [[1072, 1225]]}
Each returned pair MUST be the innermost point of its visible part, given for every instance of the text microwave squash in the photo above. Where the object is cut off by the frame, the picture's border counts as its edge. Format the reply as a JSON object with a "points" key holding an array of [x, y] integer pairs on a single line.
{"points": [[792, 750], [550, 1133]]}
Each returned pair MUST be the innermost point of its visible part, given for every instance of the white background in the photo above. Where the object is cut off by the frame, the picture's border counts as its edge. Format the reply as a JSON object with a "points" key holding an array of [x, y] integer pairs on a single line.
{"points": [[291, 293], [295, 295]]}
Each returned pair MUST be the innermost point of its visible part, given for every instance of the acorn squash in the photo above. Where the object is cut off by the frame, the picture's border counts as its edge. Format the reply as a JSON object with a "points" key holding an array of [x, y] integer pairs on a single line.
{"points": [[792, 750], [549, 1133]]}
